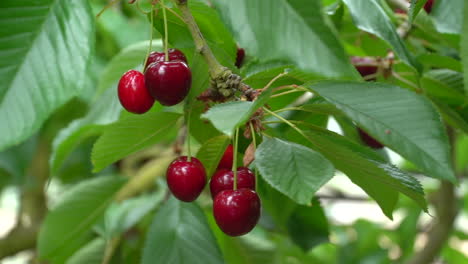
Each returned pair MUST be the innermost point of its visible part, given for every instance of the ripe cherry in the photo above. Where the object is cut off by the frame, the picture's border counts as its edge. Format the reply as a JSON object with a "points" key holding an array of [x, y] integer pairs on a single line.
{"points": [[224, 180], [174, 54], [186, 179], [240, 57], [368, 140], [227, 159], [428, 6], [365, 66], [133, 94], [236, 211], [168, 81]]}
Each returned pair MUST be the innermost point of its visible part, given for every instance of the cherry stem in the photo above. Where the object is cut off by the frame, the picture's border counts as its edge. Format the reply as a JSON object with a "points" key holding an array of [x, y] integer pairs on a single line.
{"points": [[106, 7], [285, 121], [234, 163], [285, 93], [187, 121], [151, 36], [254, 141], [274, 80], [166, 33]]}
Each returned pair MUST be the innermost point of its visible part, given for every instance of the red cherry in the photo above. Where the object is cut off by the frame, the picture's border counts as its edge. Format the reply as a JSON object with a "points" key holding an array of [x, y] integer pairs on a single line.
{"points": [[365, 66], [168, 81], [224, 180], [240, 57], [236, 211], [428, 6], [133, 94], [174, 54], [186, 179], [227, 159], [368, 140]]}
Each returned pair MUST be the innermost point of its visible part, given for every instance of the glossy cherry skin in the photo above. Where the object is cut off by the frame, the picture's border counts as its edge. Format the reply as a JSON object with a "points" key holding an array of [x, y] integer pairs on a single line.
{"points": [[133, 94], [174, 54], [186, 179], [428, 6], [365, 66], [168, 81], [240, 57], [368, 140], [224, 180], [236, 211], [227, 159]]}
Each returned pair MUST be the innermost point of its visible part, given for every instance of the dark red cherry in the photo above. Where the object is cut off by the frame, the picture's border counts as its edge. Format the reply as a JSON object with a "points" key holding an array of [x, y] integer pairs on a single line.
{"points": [[224, 180], [240, 57], [227, 159], [368, 140], [168, 81], [186, 179], [174, 54], [428, 6], [133, 94], [236, 211], [365, 66]]}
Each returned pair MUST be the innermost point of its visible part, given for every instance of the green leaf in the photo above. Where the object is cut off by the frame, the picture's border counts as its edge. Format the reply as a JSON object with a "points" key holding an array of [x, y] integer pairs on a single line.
{"points": [[440, 61], [379, 180], [45, 49], [448, 16], [66, 227], [308, 42], [211, 152], [402, 120], [214, 32], [414, 9], [132, 57], [201, 129], [119, 217], [369, 16], [91, 253], [308, 226], [464, 46], [295, 170], [180, 234], [447, 85], [104, 111], [451, 116], [131, 134]]}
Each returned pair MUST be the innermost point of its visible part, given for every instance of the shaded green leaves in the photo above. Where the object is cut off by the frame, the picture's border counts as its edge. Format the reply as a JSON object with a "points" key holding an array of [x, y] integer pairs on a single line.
{"points": [[306, 39], [369, 16], [131, 134], [400, 119], [464, 46], [66, 227], [43, 62], [448, 16], [211, 152], [414, 9], [295, 170], [180, 234], [308, 226]]}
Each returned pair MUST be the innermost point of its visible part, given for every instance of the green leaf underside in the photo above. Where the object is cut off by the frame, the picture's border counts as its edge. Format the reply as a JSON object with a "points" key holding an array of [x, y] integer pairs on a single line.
{"points": [[66, 227], [302, 23], [295, 170], [180, 234], [379, 180], [448, 16], [227, 116], [211, 152], [131, 134], [369, 16], [45, 48], [402, 120]]}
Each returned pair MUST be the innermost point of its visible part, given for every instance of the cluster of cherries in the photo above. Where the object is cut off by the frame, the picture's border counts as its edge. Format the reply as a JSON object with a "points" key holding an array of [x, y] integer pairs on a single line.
{"points": [[236, 211], [166, 80]]}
